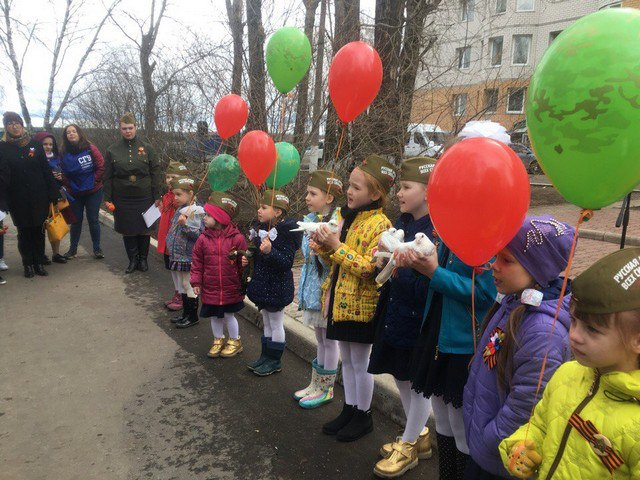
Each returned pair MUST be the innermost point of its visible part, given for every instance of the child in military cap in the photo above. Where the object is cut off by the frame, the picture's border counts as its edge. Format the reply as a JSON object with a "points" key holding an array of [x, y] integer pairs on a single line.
{"points": [[353, 292], [167, 210], [216, 277], [271, 287], [181, 237], [586, 425], [323, 191]]}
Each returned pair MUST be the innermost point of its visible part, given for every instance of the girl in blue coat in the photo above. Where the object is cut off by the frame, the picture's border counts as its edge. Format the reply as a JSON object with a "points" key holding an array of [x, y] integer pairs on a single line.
{"points": [[398, 318], [501, 390], [271, 287], [440, 360], [322, 191]]}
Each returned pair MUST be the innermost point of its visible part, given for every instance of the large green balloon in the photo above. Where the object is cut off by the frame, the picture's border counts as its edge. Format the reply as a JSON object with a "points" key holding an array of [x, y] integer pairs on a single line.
{"points": [[223, 173], [287, 165], [583, 108], [288, 58]]}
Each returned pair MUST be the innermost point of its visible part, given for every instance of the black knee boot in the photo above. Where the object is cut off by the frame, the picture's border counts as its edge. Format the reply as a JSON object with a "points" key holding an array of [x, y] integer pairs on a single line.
{"points": [[192, 314], [447, 458], [143, 252], [131, 246], [185, 309]]}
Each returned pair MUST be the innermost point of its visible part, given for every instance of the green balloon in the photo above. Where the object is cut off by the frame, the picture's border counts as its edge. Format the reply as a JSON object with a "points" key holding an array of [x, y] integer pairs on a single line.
{"points": [[288, 58], [287, 166], [223, 172], [583, 108]]}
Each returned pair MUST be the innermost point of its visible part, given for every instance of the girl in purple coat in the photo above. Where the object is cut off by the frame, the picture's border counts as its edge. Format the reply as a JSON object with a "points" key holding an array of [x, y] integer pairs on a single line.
{"points": [[216, 275], [501, 390]]}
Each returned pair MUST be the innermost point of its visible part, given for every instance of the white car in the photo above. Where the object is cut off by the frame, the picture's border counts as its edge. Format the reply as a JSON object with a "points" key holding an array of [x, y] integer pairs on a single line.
{"points": [[423, 139]]}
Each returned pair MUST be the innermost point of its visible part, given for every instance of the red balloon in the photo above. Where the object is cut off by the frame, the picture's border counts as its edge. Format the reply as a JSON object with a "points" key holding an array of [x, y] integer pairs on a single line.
{"points": [[230, 115], [478, 198], [355, 76], [257, 155]]}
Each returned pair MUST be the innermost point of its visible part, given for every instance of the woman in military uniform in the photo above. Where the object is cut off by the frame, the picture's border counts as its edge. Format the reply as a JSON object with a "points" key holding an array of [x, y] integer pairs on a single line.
{"points": [[132, 183]]}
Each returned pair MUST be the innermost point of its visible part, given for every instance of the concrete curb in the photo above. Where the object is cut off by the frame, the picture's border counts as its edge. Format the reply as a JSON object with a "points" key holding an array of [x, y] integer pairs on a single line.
{"points": [[301, 341], [630, 240]]}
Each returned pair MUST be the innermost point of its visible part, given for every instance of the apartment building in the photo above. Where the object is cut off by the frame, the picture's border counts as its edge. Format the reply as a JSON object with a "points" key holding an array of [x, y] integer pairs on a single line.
{"points": [[485, 53]]}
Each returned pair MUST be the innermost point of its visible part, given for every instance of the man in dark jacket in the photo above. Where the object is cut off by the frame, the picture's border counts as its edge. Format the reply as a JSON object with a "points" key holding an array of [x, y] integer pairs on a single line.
{"points": [[30, 191]]}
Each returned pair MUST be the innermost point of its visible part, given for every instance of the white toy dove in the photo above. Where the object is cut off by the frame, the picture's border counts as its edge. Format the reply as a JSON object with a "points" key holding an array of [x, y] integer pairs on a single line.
{"points": [[420, 244], [312, 227]]}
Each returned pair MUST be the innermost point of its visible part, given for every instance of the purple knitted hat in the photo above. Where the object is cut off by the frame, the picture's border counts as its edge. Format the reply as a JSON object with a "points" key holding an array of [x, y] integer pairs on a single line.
{"points": [[542, 247]]}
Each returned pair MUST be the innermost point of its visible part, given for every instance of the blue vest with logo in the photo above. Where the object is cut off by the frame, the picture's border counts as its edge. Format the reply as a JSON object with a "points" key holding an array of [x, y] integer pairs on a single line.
{"points": [[79, 170]]}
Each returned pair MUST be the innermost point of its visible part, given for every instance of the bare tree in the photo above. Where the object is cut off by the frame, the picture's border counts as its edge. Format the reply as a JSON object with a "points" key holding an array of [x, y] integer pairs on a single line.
{"points": [[257, 102], [234, 13], [318, 109]]}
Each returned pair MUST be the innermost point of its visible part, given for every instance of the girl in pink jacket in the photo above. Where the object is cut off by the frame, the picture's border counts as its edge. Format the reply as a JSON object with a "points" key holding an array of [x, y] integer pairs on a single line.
{"points": [[218, 278]]}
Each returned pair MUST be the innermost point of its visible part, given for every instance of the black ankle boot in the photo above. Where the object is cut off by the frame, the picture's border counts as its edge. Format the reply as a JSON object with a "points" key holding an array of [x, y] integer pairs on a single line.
{"points": [[447, 457], [192, 314], [131, 246], [335, 425], [143, 252], [39, 270], [28, 271], [361, 423], [185, 310]]}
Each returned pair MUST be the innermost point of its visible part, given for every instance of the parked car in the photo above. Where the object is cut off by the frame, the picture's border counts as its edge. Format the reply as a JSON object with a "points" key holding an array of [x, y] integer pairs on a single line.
{"points": [[312, 156], [528, 158], [423, 139]]}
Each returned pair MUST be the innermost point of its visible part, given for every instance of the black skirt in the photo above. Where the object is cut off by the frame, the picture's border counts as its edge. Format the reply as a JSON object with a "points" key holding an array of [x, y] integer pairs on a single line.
{"points": [[356, 332], [436, 373], [207, 310], [386, 358], [128, 215]]}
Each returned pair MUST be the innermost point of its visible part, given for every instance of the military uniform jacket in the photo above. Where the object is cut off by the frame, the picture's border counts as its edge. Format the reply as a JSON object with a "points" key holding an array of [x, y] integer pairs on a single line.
{"points": [[131, 169]]}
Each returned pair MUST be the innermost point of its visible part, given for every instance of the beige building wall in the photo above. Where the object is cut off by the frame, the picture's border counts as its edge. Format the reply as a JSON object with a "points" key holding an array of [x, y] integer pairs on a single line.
{"points": [[442, 79]]}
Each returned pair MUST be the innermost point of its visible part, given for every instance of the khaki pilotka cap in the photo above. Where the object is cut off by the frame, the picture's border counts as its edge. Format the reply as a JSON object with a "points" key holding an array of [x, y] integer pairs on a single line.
{"points": [[225, 201], [380, 169], [128, 119], [417, 169], [184, 183], [275, 198], [610, 285], [327, 182], [177, 168]]}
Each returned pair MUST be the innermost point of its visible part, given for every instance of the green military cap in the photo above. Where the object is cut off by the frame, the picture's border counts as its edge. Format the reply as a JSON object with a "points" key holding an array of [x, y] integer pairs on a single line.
{"points": [[177, 168], [417, 169], [275, 198], [184, 183], [225, 201], [128, 118], [327, 182], [610, 285], [380, 169]]}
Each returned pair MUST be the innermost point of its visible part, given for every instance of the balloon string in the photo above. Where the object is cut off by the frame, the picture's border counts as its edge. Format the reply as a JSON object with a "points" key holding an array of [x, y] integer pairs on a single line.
{"points": [[284, 103], [584, 216], [206, 173], [473, 310], [335, 160]]}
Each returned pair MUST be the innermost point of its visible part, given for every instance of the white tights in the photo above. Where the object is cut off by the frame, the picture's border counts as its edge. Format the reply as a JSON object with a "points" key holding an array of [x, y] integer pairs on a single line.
{"points": [[328, 353], [449, 422], [358, 383], [273, 325], [182, 283], [217, 326], [417, 409]]}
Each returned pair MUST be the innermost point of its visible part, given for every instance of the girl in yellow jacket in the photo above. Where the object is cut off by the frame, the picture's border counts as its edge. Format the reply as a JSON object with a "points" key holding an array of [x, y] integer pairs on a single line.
{"points": [[586, 425], [352, 293]]}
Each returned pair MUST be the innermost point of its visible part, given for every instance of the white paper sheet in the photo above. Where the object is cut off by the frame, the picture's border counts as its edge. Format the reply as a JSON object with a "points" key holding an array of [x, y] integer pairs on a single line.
{"points": [[2, 215], [151, 215]]}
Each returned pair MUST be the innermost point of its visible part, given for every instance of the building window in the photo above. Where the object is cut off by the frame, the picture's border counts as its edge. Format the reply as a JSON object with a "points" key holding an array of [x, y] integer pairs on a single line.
{"points": [[495, 50], [464, 57], [501, 6], [459, 104], [521, 48], [525, 5], [491, 100], [553, 36], [467, 7], [515, 102]]}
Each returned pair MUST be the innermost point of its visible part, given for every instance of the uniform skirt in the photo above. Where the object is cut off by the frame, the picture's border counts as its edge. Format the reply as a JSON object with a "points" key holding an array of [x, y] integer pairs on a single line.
{"points": [[388, 358], [348, 331], [128, 214], [208, 310]]}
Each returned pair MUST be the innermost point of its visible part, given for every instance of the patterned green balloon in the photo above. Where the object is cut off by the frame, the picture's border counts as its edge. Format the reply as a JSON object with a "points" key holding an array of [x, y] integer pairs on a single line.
{"points": [[287, 166], [223, 172], [288, 58], [583, 108]]}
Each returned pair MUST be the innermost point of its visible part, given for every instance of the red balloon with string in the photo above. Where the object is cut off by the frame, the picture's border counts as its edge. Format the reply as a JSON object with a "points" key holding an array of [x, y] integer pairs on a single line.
{"points": [[355, 77], [230, 115], [257, 156], [478, 198]]}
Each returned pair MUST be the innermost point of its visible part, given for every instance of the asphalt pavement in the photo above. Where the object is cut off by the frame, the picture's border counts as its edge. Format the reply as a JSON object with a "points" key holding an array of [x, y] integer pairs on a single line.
{"points": [[97, 384]]}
